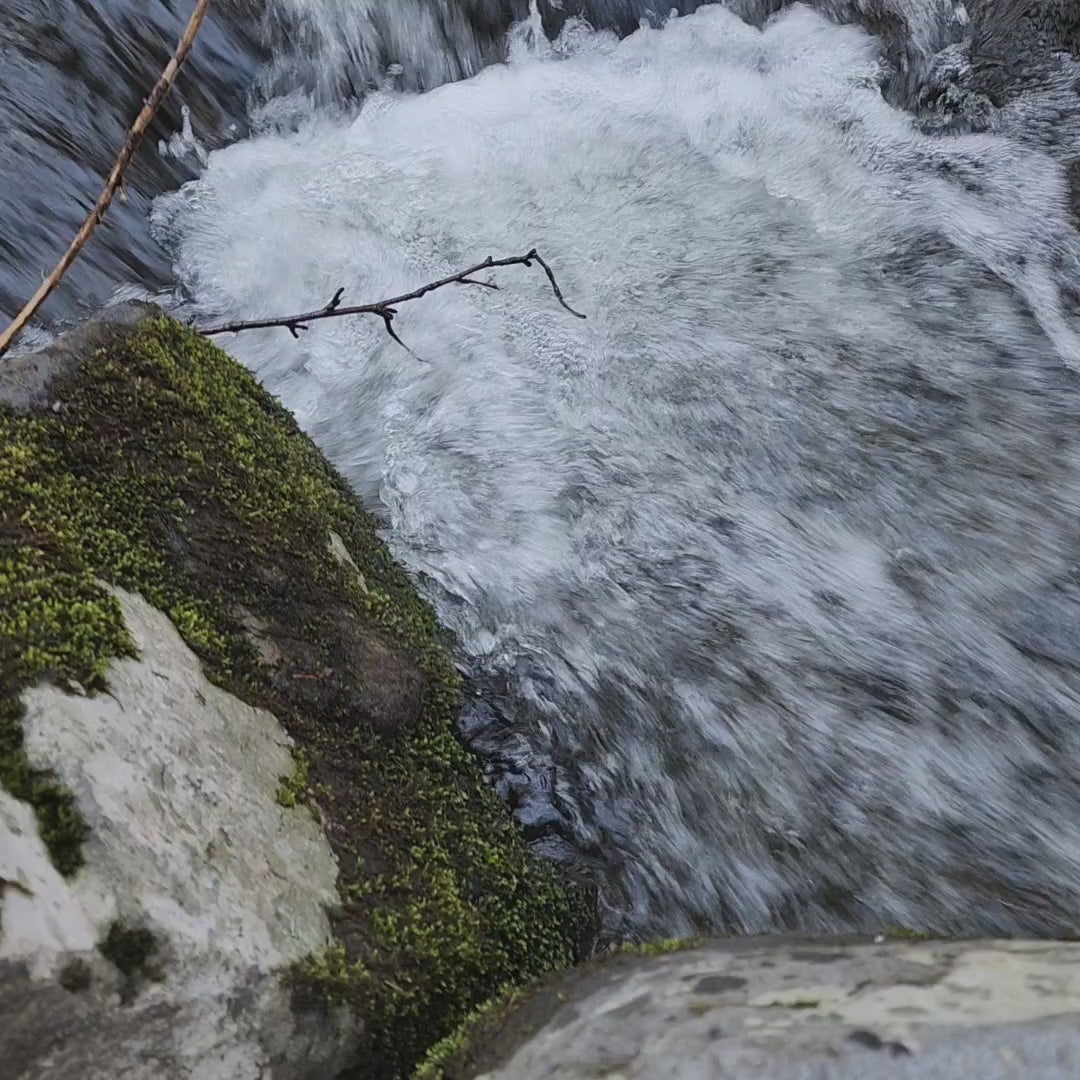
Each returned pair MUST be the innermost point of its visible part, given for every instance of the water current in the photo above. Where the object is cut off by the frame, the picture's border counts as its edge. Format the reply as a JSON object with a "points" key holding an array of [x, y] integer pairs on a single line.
{"points": [[767, 574]]}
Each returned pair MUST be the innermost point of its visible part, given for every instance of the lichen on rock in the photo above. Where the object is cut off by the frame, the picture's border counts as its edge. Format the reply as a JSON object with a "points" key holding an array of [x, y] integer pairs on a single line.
{"points": [[139, 456]]}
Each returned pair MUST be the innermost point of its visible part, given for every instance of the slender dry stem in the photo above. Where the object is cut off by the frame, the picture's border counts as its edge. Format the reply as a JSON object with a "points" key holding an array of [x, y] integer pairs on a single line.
{"points": [[387, 309], [116, 177]]}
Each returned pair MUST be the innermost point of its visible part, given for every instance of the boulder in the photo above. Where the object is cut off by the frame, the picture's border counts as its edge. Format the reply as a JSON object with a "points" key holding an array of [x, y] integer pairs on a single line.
{"points": [[239, 837], [785, 1008]]}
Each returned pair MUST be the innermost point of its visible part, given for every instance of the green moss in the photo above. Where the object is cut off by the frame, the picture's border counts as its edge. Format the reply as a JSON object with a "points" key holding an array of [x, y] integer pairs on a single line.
{"points": [[294, 788], [495, 1029], [133, 951], [441, 1060], [128, 949], [168, 471], [660, 947], [905, 933], [55, 622]]}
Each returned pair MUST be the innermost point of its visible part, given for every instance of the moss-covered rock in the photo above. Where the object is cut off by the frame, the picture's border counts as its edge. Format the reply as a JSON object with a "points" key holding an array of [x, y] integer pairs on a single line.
{"points": [[141, 456]]}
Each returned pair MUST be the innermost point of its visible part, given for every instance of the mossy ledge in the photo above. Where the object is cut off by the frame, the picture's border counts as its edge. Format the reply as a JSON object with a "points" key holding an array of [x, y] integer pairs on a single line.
{"points": [[492, 1032], [150, 460]]}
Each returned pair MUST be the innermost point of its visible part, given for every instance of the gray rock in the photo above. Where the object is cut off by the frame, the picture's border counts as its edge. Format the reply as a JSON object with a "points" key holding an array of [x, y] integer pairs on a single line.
{"points": [[213, 886], [25, 378], [785, 1009]]}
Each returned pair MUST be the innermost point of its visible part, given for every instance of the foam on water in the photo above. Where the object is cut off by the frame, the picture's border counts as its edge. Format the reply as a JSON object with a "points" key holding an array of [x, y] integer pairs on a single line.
{"points": [[340, 48], [772, 563]]}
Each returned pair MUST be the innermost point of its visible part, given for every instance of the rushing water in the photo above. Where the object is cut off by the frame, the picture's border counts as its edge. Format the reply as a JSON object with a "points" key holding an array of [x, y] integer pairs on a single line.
{"points": [[73, 74], [769, 570]]}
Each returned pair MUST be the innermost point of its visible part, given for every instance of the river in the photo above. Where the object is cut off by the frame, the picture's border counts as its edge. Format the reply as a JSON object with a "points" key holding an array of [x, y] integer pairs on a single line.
{"points": [[768, 572]]}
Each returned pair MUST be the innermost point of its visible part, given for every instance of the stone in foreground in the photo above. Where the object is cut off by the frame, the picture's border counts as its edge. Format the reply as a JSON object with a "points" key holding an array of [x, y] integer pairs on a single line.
{"points": [[793, 1009]]}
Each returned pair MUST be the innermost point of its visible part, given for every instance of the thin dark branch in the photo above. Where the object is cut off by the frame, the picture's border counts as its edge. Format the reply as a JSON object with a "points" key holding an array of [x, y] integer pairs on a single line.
{"points": [[482, 284], [554, 284], [388, 314], [387, 309]]}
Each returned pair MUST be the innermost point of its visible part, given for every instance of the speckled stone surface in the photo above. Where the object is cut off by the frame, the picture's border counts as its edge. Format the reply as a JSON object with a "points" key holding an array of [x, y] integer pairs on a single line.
{"points": [[760, 1010], [178, 781]]}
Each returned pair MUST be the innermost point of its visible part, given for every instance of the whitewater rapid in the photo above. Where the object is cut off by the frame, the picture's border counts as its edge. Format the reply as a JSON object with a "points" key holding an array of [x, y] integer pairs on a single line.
{"points": [[768, 570]]}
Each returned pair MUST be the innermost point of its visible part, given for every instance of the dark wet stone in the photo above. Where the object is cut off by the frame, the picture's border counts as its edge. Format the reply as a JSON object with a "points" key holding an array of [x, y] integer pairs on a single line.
{"points": [[875, 1042], [719, 984], [813, 957]]}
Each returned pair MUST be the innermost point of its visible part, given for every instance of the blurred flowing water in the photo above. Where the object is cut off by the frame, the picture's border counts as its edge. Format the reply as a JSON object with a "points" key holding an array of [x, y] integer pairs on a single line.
{"points": [[73, 74], [767, 573]]}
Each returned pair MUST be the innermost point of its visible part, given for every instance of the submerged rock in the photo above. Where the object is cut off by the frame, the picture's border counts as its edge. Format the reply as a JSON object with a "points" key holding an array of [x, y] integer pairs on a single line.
{"points": [[788, 1009], [238, 836]]}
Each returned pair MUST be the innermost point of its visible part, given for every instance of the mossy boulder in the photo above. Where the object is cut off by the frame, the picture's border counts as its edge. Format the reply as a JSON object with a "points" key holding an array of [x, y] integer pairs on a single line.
{"points": [[137, 460]]}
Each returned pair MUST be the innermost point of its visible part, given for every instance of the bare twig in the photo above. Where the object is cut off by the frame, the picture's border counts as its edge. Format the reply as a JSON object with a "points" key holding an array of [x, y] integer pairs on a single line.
{"points": [[116, 177], [387, 309]]}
